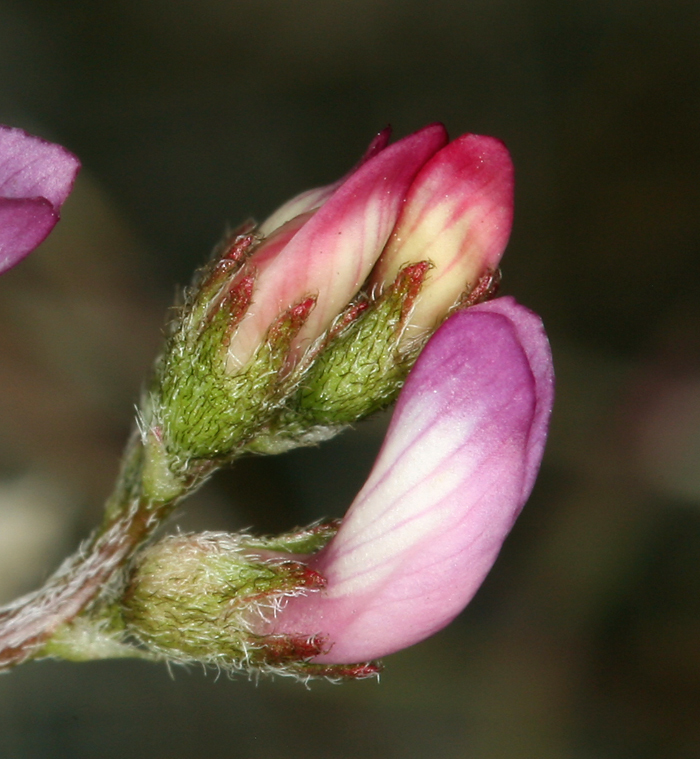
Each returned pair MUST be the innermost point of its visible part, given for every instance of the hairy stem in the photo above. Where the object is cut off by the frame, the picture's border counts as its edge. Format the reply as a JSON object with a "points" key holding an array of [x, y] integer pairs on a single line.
{"points": [[27, 624]]}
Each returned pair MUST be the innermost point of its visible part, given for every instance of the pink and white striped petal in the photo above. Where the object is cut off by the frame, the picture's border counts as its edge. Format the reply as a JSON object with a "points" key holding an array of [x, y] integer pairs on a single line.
{"points": [[332, 254], [457, 465]]}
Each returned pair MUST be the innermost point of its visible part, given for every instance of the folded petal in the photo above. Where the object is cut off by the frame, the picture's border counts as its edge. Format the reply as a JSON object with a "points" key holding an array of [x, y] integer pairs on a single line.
{"points": [[35, 179], [331, 256], [457, 465], [458, 215]]}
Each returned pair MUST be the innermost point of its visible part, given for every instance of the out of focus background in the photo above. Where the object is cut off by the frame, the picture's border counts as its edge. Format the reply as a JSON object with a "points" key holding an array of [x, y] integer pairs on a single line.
{"points": [[191, 115]]}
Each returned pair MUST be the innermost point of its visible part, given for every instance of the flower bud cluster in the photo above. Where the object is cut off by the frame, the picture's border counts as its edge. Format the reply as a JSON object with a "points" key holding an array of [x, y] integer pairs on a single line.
{"points": [[296, 328], [311, 321]]}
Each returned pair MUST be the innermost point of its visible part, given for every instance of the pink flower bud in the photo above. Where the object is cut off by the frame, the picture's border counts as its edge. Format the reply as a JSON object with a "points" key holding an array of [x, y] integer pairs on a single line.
{"points": [[458, 215], [35, 179], [330, 256], [458, 463]]}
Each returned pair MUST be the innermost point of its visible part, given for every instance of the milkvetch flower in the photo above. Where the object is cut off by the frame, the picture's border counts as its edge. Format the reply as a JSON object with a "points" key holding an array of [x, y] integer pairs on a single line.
{"points": [[36, 177], [294, 329], [457, 465], [312, 321], [459, 461]]}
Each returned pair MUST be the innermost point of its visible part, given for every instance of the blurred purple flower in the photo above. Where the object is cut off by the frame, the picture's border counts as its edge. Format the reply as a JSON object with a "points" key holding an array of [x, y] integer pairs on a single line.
{"points": [[458, 463], [35, 179]]}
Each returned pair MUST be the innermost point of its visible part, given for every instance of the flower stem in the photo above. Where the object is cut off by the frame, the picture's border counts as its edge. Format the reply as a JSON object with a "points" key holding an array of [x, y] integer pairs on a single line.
{"points": [[131, 517]]}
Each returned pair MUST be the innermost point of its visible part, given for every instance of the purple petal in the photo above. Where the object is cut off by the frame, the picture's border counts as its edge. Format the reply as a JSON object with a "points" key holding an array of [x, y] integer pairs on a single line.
{"points": [[534, 342], [35, 179], [458, 463], [23, 225]]}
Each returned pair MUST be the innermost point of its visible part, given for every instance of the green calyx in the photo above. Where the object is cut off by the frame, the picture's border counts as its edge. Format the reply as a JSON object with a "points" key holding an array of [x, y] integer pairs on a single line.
{"points": [[201, 409], [358, 371], [363, 368], [207, 598], [306, 541]]}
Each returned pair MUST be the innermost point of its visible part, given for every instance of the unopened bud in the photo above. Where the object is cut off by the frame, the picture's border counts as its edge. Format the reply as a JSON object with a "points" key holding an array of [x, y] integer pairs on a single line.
{"points": [[458, 215]]}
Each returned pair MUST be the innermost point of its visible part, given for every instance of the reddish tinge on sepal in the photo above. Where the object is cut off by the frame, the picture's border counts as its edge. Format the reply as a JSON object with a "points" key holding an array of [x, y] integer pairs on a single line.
{"points": [[458, 463], [35, 179]]}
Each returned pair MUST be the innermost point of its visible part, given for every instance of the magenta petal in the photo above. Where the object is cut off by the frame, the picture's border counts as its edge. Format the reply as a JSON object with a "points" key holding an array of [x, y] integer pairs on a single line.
{"points": [[379, 142], [457, 465], [23, 225], [463, 196], [35, 179]]}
